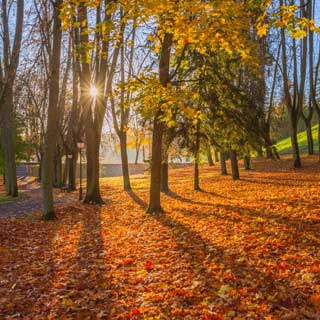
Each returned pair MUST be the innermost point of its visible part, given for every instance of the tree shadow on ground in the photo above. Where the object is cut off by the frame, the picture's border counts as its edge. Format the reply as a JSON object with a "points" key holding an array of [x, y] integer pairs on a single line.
{"points": [[214, 267], [290, 226], [176, 196], [27, 266], [84, 285], [137, 199]]}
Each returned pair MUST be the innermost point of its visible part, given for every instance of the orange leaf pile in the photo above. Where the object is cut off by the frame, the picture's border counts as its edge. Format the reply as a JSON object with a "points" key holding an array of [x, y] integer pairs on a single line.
{"points": [[235, 250]]}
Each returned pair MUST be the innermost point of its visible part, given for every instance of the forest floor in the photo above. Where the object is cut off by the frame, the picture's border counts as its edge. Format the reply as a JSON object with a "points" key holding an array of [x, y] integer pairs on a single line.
{"points": [[245, 249], [29, 200]]}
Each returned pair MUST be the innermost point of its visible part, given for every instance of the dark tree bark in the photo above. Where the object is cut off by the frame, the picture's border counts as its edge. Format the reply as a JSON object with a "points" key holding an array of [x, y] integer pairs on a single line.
{"points": [[216, 156], [72, 167], [8, 135], [94, 109], [247, 162], [7, 78], [137, 155], [223, 158], [294, 101], [52, 122], [309, 137], [209, 157], [124, 162], [158, 127], [267, 123], [165, 175], [155, 180], [197, 158], [234, 165]]}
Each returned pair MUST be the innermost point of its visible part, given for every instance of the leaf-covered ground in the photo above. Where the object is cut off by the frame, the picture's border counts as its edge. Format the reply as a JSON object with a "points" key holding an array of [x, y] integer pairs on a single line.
{"points": [[235, 250]]}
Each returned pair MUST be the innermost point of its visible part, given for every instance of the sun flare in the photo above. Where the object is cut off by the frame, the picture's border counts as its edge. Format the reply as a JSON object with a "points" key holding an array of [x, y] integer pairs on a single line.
{"points": [[93, 92]]}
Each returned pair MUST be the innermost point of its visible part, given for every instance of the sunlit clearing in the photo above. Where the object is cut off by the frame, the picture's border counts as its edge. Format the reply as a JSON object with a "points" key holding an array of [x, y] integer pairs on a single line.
{"points": [[93, 92]]}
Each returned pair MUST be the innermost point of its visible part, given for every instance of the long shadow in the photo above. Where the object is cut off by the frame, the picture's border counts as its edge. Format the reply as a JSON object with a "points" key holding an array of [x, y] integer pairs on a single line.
{"points": [[214, 194], [298, 224], [176, 196], [235, 273], [271, 183], [26, 265], [87, 286], [200, 254], [137, 199]]}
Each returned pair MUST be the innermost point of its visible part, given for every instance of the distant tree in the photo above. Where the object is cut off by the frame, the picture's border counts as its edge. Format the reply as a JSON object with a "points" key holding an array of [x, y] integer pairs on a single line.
{"points": [[8, 70]]}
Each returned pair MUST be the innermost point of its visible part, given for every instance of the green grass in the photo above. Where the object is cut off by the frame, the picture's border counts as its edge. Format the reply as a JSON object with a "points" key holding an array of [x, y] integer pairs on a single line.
{"points": [[5, 198], [284, 146]]}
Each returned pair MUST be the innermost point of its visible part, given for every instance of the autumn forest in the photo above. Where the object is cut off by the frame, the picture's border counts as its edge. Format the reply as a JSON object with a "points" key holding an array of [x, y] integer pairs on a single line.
{"points": [[160, 159]]}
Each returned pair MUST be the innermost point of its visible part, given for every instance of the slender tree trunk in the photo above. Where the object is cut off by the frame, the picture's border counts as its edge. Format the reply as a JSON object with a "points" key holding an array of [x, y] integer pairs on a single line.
{"points": [[165, 174], [65, 171], [319, 136], [93, 167], [268, 142], [223, 158], [309, 137], [209, 157], [72, 172], [143, 154], [8, 71], [137, 155], [58, 170], [247, 162], [294, 144], [155, 190], [234, 165], [8, 142], [52, 123], [164, 77], [197, 158], [124, 161], [216, 156]]}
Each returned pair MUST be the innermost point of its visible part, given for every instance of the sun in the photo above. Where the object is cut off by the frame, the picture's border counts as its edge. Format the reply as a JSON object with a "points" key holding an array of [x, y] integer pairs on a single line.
{"points": [[93, 91]]}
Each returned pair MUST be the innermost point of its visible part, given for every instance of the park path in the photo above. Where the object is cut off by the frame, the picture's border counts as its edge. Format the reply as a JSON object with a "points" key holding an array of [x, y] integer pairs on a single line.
{"points": [[31, 197]]}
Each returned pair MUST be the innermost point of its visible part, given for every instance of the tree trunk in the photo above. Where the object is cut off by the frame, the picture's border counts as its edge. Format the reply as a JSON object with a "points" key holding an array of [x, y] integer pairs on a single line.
{"points": [[72, 172], [268, 145], [216, 156], [247, 162], [294, 144], [155, 179], [165, 175], [58, 171], [197, 159], [319, 136], [52, 123], [8, 141], [93, 187], [137, 155], [223, 157], [124, 161], [164, 77], [65, 171], [143, 154], [309, 137], [196, 184], [209, 156], [8, 70], [234, 165]]}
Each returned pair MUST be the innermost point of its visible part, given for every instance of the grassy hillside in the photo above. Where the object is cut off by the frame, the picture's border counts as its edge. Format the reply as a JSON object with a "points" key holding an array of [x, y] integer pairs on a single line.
{"points": [[284, 146]]}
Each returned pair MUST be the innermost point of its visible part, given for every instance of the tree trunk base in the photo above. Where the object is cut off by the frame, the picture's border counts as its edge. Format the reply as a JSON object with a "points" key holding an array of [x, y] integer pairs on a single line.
{"points": [[93, 199], [49, 216], [154, 210], [297, 163]]}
